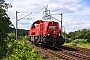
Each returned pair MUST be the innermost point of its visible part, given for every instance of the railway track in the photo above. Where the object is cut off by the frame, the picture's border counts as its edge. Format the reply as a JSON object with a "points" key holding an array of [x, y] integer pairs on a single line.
{"points": [[84, 50], [70, 52]]}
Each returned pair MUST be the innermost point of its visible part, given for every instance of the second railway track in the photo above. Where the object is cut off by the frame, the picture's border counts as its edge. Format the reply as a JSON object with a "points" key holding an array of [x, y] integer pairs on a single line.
{"points": [[71, 53]]}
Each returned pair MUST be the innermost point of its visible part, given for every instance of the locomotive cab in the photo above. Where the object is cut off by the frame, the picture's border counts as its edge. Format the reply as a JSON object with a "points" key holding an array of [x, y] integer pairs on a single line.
{"points": [[53, 28], [53, 35]]}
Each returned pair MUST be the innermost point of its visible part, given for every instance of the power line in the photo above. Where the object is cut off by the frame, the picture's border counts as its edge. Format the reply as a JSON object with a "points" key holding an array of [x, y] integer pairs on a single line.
{"points": [[37, 13], [50, 2], [30, 13], [24, 16], [74, 5], [63, 4], [39, 5], [41, 9]]}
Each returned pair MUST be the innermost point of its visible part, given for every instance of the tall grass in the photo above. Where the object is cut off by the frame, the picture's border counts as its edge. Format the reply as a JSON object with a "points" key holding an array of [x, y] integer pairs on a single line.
{"points": [[84, 45], [80, 43]]}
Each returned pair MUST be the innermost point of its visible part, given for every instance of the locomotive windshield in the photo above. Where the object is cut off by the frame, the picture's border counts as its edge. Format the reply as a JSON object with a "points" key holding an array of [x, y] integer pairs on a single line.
{"points": [[52, 27]]}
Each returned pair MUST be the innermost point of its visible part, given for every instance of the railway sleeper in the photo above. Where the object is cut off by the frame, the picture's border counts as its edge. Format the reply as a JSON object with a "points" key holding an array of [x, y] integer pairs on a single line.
{"points": [[76, 54], [62, 55]]}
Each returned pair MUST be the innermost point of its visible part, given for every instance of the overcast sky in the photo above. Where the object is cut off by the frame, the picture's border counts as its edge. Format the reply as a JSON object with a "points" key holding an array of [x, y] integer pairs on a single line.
{"points": [[76, 13]]}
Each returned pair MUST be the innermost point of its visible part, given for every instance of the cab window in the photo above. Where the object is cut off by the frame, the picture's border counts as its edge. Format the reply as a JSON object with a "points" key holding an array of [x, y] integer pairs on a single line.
{"points": [[52, 27]]}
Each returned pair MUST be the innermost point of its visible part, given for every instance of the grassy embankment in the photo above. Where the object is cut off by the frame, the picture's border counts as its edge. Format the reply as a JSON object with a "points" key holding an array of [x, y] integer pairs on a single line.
{"points": [[84, 43]]}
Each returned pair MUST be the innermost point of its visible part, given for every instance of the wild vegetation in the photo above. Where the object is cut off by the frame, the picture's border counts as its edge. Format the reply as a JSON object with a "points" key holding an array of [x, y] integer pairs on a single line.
{"points": [[20, 50], [79, 38], [17, 50], [21, 32], [10, 49], [4, 29]]}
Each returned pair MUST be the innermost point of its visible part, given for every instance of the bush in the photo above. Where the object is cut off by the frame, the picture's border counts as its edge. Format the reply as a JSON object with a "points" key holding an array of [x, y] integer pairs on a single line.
{"points": [[11, 35], [68, 40], [21, 51], [78, 41], [3, 51]]}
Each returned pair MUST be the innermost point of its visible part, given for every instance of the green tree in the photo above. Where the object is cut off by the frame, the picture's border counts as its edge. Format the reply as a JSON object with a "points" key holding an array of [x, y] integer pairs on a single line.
{"points": [[80, 34], [4, 29], [4, 24], [71, 35]]}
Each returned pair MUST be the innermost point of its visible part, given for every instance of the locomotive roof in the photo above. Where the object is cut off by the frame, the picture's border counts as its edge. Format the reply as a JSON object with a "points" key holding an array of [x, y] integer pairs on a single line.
{"points": [[38, 21]]}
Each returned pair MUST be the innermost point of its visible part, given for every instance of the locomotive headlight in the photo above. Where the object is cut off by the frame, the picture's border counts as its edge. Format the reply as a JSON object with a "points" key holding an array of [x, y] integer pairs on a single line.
{"points": [[48, 33], [59, 33]]}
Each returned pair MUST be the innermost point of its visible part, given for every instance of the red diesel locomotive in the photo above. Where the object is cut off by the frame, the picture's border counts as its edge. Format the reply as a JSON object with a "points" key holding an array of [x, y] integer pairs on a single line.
{"points": [[46, 33]]}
